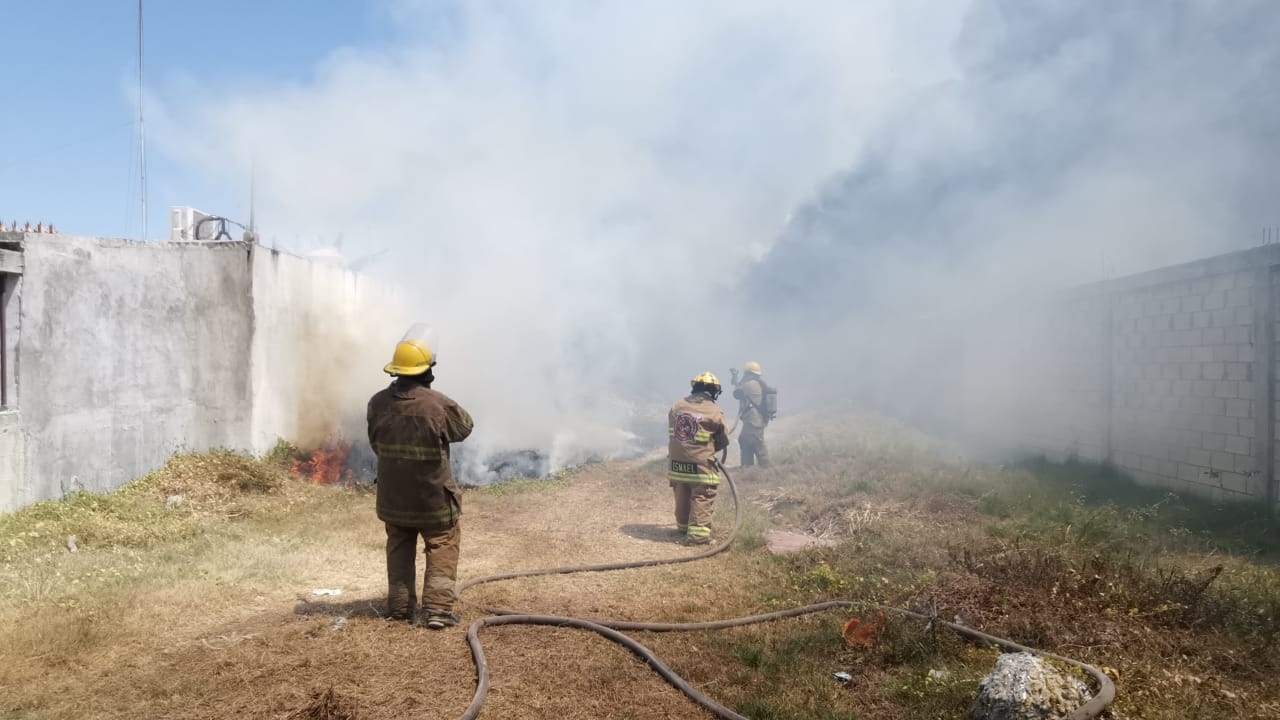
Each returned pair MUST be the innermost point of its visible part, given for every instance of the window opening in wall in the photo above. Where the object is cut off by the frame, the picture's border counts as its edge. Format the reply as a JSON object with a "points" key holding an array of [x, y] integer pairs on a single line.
{"points": [[8, 283]]}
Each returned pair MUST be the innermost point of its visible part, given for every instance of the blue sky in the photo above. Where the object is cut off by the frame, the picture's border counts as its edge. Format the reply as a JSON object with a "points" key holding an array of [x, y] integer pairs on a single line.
{"points": [[69, 140]]}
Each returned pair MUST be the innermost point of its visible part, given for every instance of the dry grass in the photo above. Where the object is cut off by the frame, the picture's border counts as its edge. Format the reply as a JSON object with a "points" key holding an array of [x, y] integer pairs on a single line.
{"points": [[1180, 603], [326, 705], [204, 610]]}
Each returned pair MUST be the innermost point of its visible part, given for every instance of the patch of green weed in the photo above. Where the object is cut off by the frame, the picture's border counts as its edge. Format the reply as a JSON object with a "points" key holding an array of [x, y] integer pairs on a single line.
{"points": [[1109, 506], [933, 695], [751, 534], [281, 453]]}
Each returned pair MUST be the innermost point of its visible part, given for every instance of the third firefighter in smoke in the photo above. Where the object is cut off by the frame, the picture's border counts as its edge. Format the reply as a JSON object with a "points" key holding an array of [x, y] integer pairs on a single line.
{"points": [[697, 431], [750, 393]]}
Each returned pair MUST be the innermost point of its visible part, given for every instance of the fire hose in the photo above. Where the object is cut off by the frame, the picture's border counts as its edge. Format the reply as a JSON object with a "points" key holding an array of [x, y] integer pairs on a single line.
{"points": [[610, 629]]}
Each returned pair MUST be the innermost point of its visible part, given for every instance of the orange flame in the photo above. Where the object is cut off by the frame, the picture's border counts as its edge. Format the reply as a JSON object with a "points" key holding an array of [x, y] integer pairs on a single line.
{"points": [[326, 465]]}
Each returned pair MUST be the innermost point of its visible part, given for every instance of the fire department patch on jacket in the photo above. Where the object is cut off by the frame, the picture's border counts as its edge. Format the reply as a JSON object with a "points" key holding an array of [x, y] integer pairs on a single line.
{"points": [[686, 427]]}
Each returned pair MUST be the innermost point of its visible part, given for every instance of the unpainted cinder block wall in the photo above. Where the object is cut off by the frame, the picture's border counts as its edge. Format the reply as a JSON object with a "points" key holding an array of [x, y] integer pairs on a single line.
{"points": [[1170, 375]]}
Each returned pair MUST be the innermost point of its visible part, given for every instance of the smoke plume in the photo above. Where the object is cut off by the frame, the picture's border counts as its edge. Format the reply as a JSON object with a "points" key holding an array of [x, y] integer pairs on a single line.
{"points": [[593, 202], [1076, 142]]}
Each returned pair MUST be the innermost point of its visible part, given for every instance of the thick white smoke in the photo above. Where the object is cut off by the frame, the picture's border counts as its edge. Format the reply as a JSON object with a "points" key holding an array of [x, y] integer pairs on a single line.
{"points": [[1077, 141], [595, 201], [569, 191]]}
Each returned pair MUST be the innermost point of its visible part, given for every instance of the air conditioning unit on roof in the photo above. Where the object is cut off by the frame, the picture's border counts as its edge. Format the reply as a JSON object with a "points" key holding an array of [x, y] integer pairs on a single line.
{"points": [[185, 225]]}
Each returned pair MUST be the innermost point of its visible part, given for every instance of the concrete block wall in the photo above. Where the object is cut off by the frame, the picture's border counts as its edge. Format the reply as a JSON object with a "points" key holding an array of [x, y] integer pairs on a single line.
{"points": [[1190, 360], [1073, 347], [1268, 405], [1034, 378], [1184, 397]]}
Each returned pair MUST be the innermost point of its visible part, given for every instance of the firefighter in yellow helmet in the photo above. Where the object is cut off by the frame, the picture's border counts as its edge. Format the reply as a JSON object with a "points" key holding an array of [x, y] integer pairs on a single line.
{"points": [[410, 429], [750, 393], [697, 431]]}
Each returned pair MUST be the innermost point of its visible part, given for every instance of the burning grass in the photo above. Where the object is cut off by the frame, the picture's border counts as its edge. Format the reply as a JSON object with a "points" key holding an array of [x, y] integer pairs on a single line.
{"points": [[325, 466], [332, 462]]}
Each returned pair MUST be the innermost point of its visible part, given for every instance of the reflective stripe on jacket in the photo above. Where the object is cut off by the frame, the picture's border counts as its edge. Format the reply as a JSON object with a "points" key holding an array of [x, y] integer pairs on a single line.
{"points": [[697, 431], [410, 428]]}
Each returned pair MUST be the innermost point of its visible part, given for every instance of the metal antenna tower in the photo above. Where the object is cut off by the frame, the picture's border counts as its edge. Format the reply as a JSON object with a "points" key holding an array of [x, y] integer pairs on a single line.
{"points": [[142, 129]]}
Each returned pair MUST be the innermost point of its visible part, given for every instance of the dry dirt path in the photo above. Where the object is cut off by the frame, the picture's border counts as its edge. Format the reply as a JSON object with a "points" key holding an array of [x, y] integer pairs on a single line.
{"points": [[244, 636]]}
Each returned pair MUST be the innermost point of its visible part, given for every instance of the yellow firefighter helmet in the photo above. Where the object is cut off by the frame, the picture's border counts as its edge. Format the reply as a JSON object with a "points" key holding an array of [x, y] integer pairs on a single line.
{"points": [[415, 353], [707, 382], [752, 366], [707, 378]]}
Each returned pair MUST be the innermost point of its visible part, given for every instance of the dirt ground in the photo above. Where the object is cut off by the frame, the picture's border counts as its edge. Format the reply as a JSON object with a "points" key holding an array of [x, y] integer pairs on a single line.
{"points": [[242, 634], [207, 610]]}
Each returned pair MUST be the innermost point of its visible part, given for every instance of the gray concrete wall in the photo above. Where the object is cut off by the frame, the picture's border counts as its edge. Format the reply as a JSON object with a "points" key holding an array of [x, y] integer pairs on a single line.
{"points": [[127, 353], [123, 353], [321, 336], [12, 454], [1184, 397]]}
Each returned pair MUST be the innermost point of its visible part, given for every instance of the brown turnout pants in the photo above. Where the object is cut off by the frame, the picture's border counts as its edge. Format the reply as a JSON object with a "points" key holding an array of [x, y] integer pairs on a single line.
{"points": [[442, 549], [695, 504], [751, 443]]}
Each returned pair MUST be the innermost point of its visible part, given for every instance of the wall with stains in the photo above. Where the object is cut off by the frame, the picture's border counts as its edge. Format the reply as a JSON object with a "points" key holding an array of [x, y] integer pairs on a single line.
{"points": [[126, 353], [321, 337], [121, 353]]}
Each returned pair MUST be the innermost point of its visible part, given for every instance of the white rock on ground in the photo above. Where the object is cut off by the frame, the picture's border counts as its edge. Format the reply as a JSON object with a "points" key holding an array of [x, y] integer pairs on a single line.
{"points": [[1025, 687]]}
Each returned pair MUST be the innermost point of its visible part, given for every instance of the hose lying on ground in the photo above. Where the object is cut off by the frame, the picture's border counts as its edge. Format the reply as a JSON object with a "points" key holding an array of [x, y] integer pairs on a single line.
{"points": [[609, 629]]}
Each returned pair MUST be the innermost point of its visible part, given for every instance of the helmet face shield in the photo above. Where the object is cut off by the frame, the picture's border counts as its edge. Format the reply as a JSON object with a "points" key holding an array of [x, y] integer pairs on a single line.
{"points": [[416, 353], [423, 334]]}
